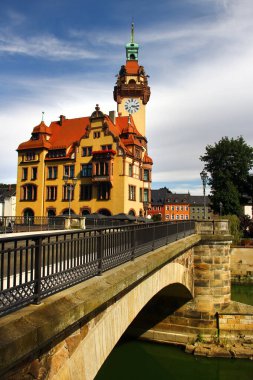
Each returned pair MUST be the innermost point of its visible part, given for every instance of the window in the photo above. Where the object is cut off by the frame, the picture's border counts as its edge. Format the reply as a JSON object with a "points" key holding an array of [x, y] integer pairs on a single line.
{"points": [[103, 191], [167, 216], [69, 171], [86, 151], [181, 208], [28, 193], [34, 173], [186, 208], [145, 196], [177, 208], [186, 217], [86, 170], [68, 192], [167, 208], [56, 153], [131, 192], [146, 175], [172, 217], [85, 192], [51, 193], [96, 135], [177, 216], [130, 170], [106, 147], [52, 172], [181, 216], [172, 208], [137, 152], [30, 156], [24, 174], [102, 168]]}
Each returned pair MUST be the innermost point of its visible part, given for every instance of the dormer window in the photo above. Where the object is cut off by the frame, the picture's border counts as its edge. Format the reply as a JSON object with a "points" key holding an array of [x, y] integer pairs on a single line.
{"points": [[35, 136], [30, 156], [57, 153]]}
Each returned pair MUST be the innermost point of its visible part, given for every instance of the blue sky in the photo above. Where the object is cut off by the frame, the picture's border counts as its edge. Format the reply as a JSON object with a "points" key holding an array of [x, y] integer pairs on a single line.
{"points": [[61, 57]]}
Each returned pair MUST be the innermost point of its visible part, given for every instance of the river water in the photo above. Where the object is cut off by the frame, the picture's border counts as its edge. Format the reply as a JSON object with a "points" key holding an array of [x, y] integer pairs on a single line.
{"points": [[136, 360]]}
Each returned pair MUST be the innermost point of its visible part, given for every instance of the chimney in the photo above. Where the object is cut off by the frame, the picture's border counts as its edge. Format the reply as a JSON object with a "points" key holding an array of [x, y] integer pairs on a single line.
{"points": [[62, 118], [112, 116]]}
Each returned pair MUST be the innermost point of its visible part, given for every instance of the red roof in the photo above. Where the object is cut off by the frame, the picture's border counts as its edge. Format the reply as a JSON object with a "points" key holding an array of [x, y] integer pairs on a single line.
{"points": [[64, 134]]}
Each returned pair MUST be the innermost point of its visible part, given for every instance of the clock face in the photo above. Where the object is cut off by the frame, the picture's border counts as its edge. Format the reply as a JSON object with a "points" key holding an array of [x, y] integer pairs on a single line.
{"points": [[132, 105]]}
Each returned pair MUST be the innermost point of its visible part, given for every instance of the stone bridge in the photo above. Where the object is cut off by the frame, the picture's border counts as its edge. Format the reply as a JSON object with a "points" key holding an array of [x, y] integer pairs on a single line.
{"points": [[170, 294]]}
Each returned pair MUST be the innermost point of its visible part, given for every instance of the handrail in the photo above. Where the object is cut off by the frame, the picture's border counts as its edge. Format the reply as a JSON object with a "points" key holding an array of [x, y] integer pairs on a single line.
{"points": [[34, 266]]}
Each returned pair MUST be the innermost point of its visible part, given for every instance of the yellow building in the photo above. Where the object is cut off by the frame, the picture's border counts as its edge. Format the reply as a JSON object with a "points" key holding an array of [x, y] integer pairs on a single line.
{"points": [[91, 164]]}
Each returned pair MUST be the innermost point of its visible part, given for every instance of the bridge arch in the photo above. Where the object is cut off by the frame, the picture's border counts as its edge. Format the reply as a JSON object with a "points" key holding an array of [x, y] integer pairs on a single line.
{"points": [[105, 329]]}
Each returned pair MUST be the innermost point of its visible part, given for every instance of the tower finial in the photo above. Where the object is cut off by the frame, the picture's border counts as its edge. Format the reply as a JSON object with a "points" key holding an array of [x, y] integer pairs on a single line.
{"points": [[132, 32], [42, 118]]}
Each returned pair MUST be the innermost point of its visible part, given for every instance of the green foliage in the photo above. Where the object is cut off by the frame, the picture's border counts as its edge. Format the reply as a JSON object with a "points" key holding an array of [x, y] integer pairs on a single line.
{"points": [[234, 228], [157, 217], [246, 225], [229, 162]]}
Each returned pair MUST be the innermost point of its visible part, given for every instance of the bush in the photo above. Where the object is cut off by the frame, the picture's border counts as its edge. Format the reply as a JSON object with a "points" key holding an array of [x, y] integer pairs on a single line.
{"points": [[234, 228]]}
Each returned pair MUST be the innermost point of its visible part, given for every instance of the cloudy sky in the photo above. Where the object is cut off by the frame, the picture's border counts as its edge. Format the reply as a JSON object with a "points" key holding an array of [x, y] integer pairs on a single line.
{"points": [[61, 57]]}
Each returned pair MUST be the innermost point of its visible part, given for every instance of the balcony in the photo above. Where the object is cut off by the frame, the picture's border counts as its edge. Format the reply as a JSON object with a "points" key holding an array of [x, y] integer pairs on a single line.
{"points": [[102, 166]]}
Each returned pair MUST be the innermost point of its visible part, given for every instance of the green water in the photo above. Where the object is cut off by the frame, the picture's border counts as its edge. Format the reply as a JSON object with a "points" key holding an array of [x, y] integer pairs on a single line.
{"points": [[243, 293], [136, 360]]}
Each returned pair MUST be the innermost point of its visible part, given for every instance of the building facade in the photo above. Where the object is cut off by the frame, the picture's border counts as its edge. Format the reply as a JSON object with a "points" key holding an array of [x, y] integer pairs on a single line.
{"points": [[171, 206], [8, 201], [91, 164]]}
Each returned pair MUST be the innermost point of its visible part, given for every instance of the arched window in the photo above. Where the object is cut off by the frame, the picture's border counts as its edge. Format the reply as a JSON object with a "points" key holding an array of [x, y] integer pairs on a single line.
{"points": [[85, 211], [28, 216], [29, 192], [66, 212], [132, 82], [51, 212], [131, 212], [104, 211], [132, 56]]}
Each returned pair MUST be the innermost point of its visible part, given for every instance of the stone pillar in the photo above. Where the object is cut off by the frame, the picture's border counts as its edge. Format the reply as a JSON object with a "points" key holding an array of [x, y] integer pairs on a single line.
{"points": [[212, 279]]}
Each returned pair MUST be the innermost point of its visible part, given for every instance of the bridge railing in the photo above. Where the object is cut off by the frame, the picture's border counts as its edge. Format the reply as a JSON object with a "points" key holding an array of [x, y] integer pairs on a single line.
{"points": [[35, 266]]}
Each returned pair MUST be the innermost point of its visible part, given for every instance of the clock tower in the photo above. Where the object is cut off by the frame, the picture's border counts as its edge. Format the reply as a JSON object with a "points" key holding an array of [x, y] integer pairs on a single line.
{"points": [[131, 91]]}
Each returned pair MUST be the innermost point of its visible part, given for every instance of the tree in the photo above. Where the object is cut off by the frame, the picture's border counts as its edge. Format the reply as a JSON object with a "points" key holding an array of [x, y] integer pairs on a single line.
{"points": [[228, 162]]}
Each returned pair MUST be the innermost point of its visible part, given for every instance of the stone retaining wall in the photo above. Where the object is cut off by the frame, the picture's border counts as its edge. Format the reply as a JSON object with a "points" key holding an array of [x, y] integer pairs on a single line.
{"points": [[242, 264]]}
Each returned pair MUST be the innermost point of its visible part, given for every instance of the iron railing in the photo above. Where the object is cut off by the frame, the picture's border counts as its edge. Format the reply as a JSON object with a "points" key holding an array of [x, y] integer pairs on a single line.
{"points": [[33, 267], [10, 224]]}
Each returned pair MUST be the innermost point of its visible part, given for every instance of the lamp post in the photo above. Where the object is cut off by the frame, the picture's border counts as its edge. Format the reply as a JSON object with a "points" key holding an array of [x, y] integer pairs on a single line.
{"points": [[204, 177], [70, 184], [220, 204]]}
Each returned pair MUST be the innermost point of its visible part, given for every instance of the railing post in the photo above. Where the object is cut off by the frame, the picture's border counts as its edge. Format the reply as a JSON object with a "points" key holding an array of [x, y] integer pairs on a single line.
{"points": [[153, 237], [167, 233], [100, 252], [37, 274], [133, 244]]}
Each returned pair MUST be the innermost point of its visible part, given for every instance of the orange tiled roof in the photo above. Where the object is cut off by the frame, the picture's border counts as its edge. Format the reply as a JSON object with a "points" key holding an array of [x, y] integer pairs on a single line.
{"points": [[67, 132]]}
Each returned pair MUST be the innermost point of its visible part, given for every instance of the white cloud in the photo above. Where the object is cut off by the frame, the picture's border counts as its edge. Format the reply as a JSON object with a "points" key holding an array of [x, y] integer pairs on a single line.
{"points": [[201, 88], [43, 46]]}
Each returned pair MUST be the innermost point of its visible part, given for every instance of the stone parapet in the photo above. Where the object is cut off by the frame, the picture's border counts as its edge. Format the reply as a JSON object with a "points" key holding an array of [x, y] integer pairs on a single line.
{"points": [[212, 227]]}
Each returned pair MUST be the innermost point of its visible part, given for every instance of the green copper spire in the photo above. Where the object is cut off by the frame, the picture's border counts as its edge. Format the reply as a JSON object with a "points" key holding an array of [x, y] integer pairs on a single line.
{"points": [[132, 33], [132, 48]]}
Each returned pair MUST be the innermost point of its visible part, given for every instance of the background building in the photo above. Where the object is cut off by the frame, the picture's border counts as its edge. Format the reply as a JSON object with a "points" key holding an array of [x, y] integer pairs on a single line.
{"points": [[172, 206], [91, 164], [7, 200]]}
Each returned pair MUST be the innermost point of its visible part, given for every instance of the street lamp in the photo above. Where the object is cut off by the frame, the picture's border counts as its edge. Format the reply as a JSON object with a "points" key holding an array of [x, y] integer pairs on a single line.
{"points": [[70, 184], [221, 205], [204, 177]]}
